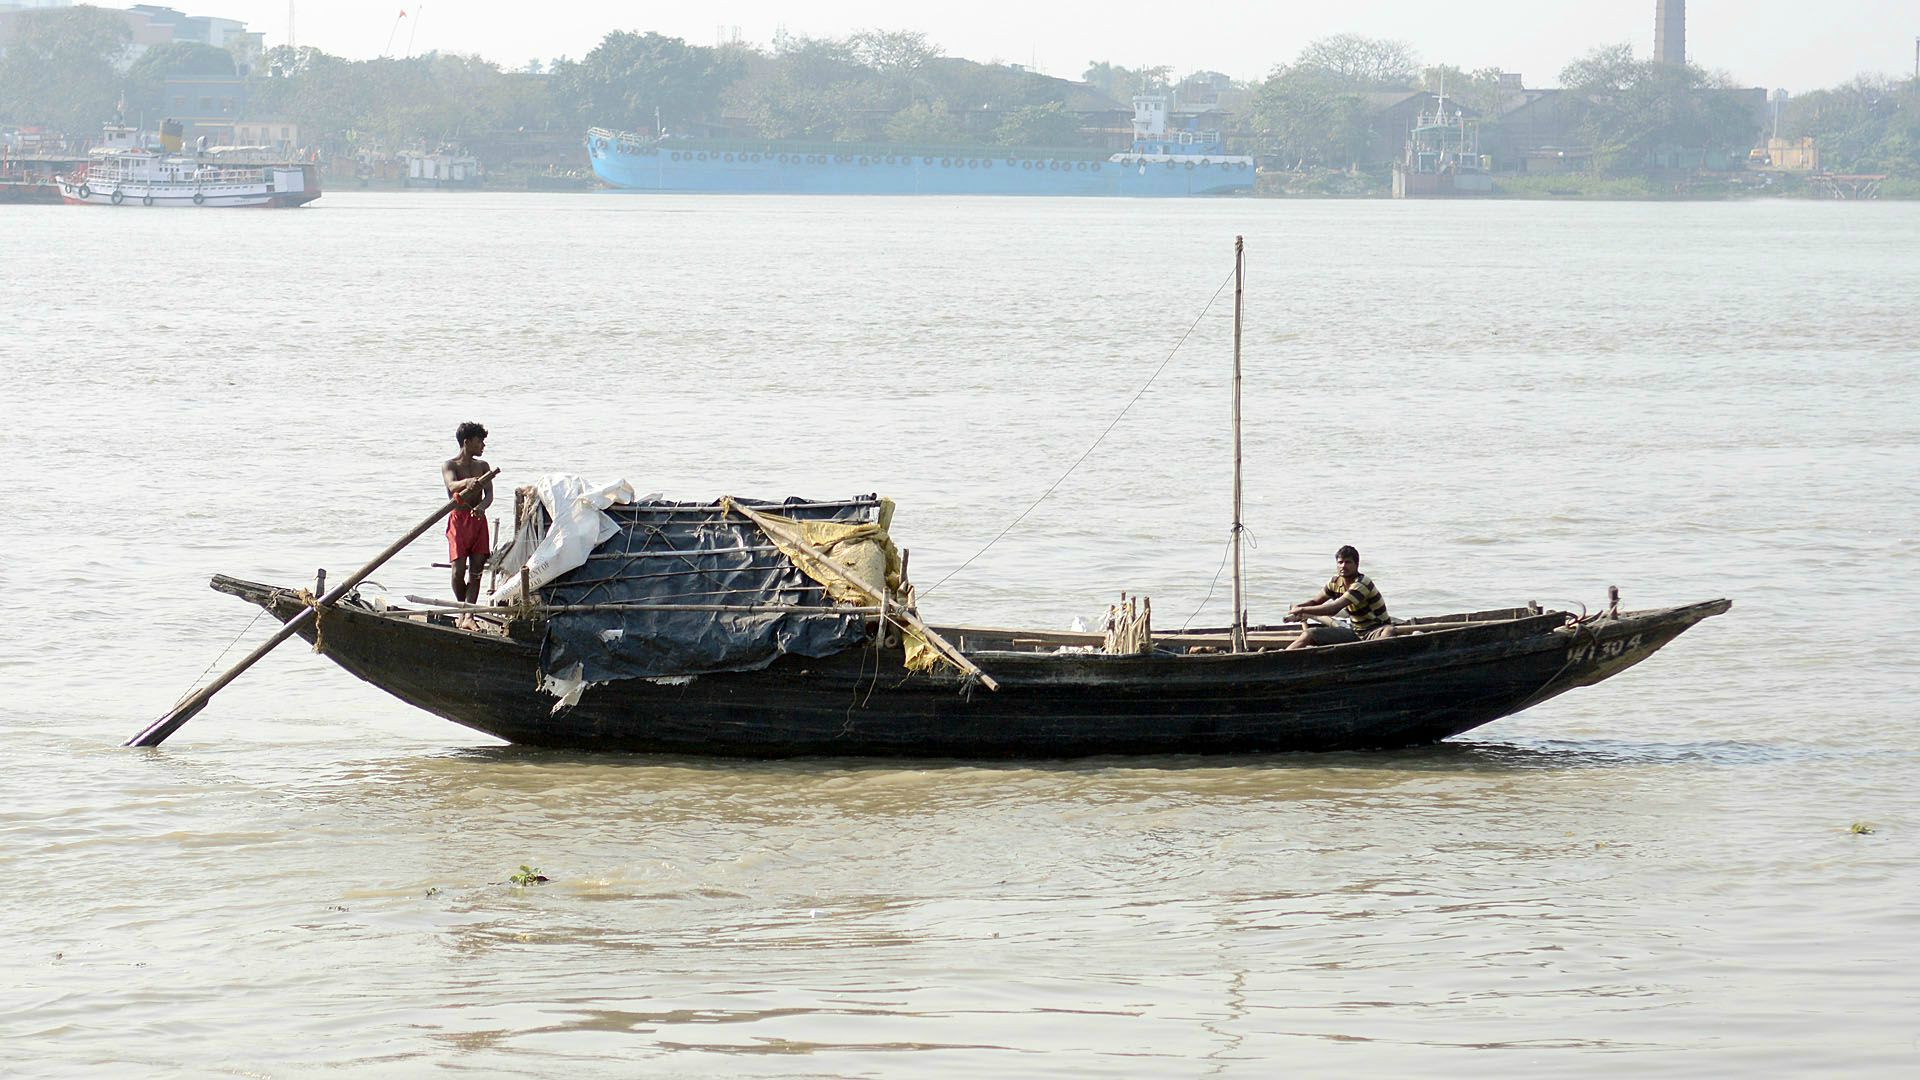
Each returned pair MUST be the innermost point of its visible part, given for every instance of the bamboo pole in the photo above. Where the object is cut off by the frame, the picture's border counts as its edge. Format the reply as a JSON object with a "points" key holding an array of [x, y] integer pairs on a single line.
{"points": [[717, 512], [157, 732], [1239, 600], [612, 555], [553, 609], [768, 568], [901, 615]]}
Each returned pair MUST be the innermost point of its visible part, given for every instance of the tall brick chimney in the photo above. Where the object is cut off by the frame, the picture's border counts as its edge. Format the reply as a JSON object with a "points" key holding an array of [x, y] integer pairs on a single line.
{"points": [[1670, 32]]}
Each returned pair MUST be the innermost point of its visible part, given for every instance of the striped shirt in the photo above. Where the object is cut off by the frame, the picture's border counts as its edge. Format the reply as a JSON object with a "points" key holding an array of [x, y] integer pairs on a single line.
{"points": [[1365, 606]]}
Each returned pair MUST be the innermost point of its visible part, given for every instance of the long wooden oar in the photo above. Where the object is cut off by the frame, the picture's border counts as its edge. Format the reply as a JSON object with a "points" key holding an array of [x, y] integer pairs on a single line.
{"points": [[185, 711], [775, 532]]}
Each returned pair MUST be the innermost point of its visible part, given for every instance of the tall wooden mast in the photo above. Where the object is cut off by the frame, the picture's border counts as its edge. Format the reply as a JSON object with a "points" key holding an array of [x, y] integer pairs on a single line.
{"points": [[1239, 602]]}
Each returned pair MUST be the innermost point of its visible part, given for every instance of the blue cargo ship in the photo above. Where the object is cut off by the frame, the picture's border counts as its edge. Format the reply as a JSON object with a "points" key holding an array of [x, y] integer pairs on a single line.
{"points": [[1157, 164]]}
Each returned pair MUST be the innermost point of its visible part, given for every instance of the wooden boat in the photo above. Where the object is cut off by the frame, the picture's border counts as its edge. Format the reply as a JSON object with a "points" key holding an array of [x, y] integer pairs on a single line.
{"points": [[723, 629], [1456, 674], [28, 191]]}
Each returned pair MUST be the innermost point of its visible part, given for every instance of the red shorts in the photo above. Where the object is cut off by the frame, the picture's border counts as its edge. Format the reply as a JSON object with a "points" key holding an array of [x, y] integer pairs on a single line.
{"points": [[466, 535]]}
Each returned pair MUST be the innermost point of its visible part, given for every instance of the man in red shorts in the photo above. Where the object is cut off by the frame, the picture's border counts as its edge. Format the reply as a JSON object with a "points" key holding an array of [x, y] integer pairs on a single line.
{"points": [[467, 542]]}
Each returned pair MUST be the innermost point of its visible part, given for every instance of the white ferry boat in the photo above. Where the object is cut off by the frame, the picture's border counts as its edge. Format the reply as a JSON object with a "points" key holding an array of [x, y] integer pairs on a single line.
{"points": [[136, 176]]}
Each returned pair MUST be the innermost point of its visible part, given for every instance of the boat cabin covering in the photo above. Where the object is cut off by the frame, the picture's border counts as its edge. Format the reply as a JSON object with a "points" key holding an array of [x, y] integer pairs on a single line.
{"points": [[678, 589]]}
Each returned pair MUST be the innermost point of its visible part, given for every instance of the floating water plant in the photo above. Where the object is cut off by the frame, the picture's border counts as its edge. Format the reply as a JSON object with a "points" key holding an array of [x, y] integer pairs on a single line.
{"points": [[528, 875], [1861, 828]]}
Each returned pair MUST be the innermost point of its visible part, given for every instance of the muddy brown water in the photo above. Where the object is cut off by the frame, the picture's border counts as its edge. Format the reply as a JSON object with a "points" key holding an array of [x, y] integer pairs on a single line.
{"points": [[1495, 402]]}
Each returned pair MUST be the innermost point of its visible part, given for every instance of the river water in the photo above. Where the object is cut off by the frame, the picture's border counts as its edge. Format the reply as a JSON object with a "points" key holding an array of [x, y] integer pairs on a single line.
{"points": [[1495, 402]]}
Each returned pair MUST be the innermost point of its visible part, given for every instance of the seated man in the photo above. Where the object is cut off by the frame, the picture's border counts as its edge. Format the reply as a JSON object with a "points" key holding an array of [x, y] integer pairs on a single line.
{"points": [[1352, 592]]}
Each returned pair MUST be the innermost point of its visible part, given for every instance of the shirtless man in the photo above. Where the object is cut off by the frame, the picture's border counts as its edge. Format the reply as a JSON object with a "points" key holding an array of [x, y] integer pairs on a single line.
{"points": [[467, 542]]}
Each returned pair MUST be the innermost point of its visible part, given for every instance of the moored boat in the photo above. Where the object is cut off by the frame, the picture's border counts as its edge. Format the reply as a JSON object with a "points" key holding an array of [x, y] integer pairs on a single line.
{"points": [[137, 176], [28, 191], [1158, 163], [1442, 158]]}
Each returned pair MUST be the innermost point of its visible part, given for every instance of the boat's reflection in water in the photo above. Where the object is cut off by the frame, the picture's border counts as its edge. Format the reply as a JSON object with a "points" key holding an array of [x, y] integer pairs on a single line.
{"points": [[561, 786]]}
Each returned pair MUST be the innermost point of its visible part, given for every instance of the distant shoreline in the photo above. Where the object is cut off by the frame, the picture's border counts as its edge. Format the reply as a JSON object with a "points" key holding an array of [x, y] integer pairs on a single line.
{"points": [[1584, 188], [1554, 195]]}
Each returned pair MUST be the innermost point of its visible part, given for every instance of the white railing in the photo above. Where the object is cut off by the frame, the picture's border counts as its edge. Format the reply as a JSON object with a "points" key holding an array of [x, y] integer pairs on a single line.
{"points": [[625, 141], [202, 177]]}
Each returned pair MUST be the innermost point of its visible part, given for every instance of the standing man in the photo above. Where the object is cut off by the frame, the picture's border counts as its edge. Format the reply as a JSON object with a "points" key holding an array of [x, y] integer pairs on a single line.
{"points": [[1352, 592], [467, 542]]}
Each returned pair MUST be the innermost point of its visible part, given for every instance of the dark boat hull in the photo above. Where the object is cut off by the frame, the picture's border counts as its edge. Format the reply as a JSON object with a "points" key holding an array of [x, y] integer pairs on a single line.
{"points": [[1404, 691]]}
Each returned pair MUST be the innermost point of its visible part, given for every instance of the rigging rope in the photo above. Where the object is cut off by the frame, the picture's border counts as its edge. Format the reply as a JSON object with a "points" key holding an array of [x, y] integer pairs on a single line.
{"points": [[223, 655], [1218, 570], [1096, 442]]}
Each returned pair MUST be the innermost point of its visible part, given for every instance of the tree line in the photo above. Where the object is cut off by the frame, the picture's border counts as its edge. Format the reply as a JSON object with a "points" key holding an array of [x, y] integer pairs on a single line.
{"points": [[61, 72], [896, 86]]}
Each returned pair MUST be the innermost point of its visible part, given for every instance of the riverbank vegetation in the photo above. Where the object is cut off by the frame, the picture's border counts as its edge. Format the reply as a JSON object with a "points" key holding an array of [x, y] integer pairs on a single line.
{"points": [[1316, 114]]}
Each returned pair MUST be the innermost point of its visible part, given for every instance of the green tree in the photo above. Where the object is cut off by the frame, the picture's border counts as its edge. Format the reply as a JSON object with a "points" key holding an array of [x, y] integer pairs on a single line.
{"points": [[900, 61], [820, 61], [1478, 92], [60, 68], [1121, 83], [924, 124], [810, 88], [1355, 62], [1869, 125], [1047, 125], [1632, 110], [893, 52], [629, 78], [1313, 112], [524, 101], [1608, 66], [284, 61], [330, 98], [1306, 117], [393, 103]]}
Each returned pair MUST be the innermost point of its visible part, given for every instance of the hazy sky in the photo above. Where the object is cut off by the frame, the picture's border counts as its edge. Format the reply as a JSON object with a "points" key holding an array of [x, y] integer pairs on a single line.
{"points": [[1791, 43]]}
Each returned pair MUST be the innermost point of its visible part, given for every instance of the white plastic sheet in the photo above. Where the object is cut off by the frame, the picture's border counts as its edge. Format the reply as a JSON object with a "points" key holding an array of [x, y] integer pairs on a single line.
{"points": [[580, 524]]}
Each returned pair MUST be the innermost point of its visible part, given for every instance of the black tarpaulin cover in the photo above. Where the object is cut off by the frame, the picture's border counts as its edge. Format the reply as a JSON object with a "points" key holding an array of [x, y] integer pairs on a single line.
{"points": [[693, 553]]}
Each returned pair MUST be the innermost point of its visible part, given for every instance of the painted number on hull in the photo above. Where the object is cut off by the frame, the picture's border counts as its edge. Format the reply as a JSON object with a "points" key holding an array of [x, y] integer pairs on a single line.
{"points": [[1605, 650]]}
